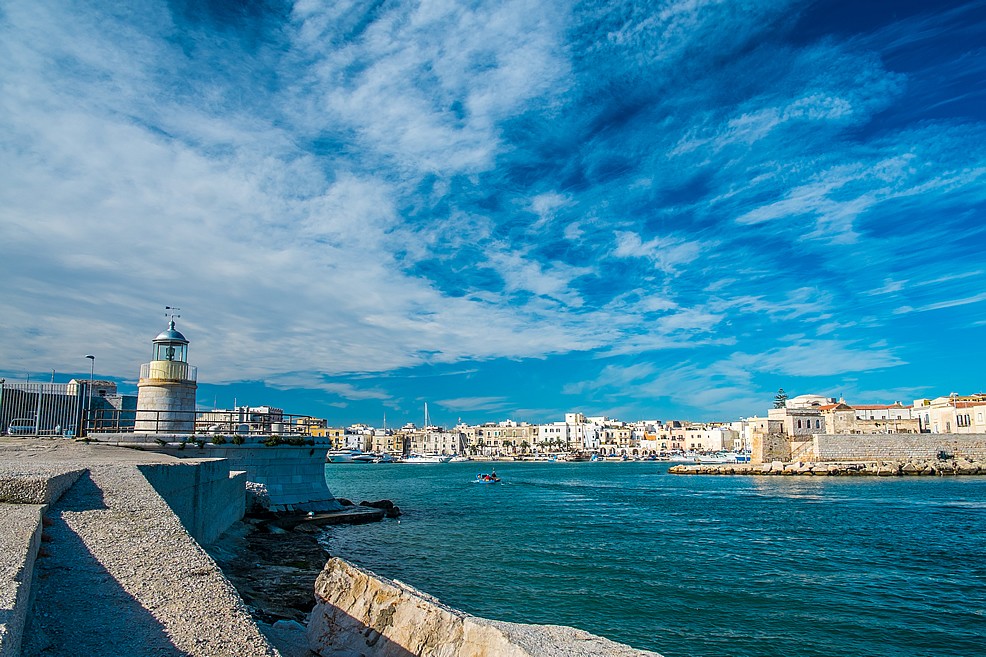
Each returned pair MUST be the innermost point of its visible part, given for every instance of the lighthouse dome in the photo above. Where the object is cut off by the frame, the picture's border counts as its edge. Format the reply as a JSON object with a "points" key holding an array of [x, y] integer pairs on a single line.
{"points": [[172, 335]]}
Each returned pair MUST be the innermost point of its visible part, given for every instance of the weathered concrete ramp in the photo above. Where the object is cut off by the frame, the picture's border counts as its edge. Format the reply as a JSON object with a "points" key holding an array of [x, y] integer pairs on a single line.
{"points": [[115, 572], [358, 613], [122, 576]]}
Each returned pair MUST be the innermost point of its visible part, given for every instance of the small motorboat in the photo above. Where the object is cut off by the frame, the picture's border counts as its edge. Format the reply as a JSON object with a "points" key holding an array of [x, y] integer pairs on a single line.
{"points": [[483, 478]]}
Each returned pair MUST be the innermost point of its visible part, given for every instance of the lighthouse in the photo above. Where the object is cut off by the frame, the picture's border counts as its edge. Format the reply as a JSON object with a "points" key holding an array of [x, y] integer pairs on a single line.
{"points": [[166, 389]]}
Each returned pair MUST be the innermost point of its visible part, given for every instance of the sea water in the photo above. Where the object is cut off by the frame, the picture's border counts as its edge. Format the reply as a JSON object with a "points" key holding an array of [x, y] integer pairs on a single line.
{"points": [[687, 565]]}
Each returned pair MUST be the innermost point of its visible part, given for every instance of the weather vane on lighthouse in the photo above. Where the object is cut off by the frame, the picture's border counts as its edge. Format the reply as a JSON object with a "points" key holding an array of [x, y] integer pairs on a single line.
{"points": [[173, 311]]}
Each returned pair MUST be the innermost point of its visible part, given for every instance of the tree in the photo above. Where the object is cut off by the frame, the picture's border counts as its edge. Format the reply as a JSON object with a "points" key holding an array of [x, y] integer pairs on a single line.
{"points": [[780, 399]]}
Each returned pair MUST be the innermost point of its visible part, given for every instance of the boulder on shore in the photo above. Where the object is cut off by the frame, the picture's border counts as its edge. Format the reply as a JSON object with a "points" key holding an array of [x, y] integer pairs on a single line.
{"points": [[358, 613]]}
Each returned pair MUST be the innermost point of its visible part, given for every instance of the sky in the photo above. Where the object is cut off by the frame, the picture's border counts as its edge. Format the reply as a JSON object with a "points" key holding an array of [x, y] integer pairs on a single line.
{"points": [[506, 210]]}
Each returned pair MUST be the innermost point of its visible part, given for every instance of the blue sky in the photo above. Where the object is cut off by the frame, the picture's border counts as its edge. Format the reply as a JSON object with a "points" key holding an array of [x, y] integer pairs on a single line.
{"points": [[506, 209]]}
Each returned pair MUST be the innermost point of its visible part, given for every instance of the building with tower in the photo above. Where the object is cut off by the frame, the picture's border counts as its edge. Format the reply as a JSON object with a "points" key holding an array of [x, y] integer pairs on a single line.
{"points": [[166, 389]]}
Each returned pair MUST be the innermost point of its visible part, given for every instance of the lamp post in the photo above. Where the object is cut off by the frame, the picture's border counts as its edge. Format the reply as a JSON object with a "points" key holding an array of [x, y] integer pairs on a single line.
{"points": [[92, 367]]}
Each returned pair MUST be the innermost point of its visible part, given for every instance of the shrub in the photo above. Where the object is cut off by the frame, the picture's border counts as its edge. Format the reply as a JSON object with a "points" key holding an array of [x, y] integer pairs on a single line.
{"points": [[219, 439], [238, 440]]}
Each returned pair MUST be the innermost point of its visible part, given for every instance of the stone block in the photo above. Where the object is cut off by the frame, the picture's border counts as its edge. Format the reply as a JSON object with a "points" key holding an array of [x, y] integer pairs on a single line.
{"points": [[358, 613]]}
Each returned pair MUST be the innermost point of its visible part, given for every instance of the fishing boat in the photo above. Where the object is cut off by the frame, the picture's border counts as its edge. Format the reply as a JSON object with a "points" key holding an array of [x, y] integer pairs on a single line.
{"points": [[483, 478]]}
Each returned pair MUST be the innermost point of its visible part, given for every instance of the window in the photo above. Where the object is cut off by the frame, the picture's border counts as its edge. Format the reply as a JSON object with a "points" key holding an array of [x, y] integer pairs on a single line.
{"points": [[818, 424]]}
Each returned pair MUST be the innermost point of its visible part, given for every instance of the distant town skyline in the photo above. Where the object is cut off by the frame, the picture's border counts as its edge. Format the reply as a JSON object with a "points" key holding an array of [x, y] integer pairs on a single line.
{"points": [[642, 210]]}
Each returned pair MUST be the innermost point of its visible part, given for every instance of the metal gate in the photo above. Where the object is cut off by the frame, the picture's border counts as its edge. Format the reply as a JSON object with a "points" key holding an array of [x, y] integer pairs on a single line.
{"points": [[41, 409]]}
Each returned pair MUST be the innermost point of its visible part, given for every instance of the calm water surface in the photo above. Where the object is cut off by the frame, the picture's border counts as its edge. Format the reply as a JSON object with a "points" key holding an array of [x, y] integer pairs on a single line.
{"points": [[684, 565]]}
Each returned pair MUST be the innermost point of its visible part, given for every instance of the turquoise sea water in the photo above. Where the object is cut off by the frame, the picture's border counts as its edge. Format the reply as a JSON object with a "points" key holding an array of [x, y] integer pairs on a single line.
{"points": [[684, 565]]}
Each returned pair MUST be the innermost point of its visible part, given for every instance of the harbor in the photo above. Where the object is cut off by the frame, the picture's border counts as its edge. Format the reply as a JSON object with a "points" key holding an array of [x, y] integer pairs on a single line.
{"points": [[689, 566]]}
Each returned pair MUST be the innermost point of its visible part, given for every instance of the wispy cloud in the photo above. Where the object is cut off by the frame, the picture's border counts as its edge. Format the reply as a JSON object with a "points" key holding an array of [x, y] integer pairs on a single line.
{"points": [[950, 303], [349, 191]]}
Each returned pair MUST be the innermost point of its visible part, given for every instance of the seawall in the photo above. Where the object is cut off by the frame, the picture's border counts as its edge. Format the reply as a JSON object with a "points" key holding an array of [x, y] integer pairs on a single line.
{"points": [[293, 475], [204, 493], [878, 468], [895, 446]]}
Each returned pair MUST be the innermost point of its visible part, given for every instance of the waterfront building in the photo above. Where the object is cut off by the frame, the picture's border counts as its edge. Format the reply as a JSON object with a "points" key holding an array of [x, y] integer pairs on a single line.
{"points": [[167, 385], [336, 435], [952, 414], [671, 437], [387, 441], [709, 438], [616, 438], [432, 440], [553, 437]]}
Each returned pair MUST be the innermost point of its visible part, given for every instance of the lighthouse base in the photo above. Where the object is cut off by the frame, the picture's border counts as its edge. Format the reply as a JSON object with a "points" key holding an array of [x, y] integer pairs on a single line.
{"points": [[165, 406]]}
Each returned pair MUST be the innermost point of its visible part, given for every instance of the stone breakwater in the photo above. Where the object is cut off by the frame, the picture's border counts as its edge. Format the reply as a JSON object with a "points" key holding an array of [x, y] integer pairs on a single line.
{"points": [[358, 613], [931, 467]]}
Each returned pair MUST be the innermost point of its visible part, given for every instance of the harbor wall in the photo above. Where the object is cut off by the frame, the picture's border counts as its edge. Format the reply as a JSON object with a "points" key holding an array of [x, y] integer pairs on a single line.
{"points": [[204, 493], [896, 446], [293, 476], [358, 613]]}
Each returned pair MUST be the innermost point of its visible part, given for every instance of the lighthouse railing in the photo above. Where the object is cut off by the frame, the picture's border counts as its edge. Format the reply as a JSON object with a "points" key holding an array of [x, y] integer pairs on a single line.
{"points": [[225, 423], [168, 370]]}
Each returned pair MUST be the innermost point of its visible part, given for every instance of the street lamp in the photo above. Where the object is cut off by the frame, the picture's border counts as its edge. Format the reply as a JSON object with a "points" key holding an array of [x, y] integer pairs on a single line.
{"points": [[92, 367]]}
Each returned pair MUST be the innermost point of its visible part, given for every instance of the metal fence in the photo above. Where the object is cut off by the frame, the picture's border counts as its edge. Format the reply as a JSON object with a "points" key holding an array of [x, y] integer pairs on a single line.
{"points": [[103, 420], [65, 409], [41, 409]]}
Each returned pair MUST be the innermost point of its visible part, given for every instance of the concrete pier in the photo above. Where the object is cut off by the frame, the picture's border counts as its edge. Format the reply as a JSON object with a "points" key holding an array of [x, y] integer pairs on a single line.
{"points": [[102, 566]]}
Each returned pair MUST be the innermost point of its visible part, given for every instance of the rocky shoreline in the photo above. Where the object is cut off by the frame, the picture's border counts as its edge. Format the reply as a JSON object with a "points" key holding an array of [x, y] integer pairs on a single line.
{"points": [[920, 467], [273, 559]]}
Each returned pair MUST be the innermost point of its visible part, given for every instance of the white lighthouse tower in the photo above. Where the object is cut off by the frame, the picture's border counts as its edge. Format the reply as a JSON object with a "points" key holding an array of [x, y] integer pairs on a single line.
{"points": [[166, 389]]}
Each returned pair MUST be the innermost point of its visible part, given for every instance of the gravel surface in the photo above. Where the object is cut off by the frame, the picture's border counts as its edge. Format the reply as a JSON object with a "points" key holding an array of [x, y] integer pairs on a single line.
{"points": [[119, 574]]}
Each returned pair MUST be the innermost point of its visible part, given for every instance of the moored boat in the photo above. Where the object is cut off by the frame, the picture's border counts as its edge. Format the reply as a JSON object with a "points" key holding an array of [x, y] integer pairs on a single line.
{"points": [[426, 458], [371, 457], [343, 455]]}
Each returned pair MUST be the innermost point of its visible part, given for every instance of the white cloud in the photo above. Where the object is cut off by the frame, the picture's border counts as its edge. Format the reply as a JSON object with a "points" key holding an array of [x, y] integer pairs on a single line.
{"points": [[473, 404], [940, 305], [668, 254]]}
